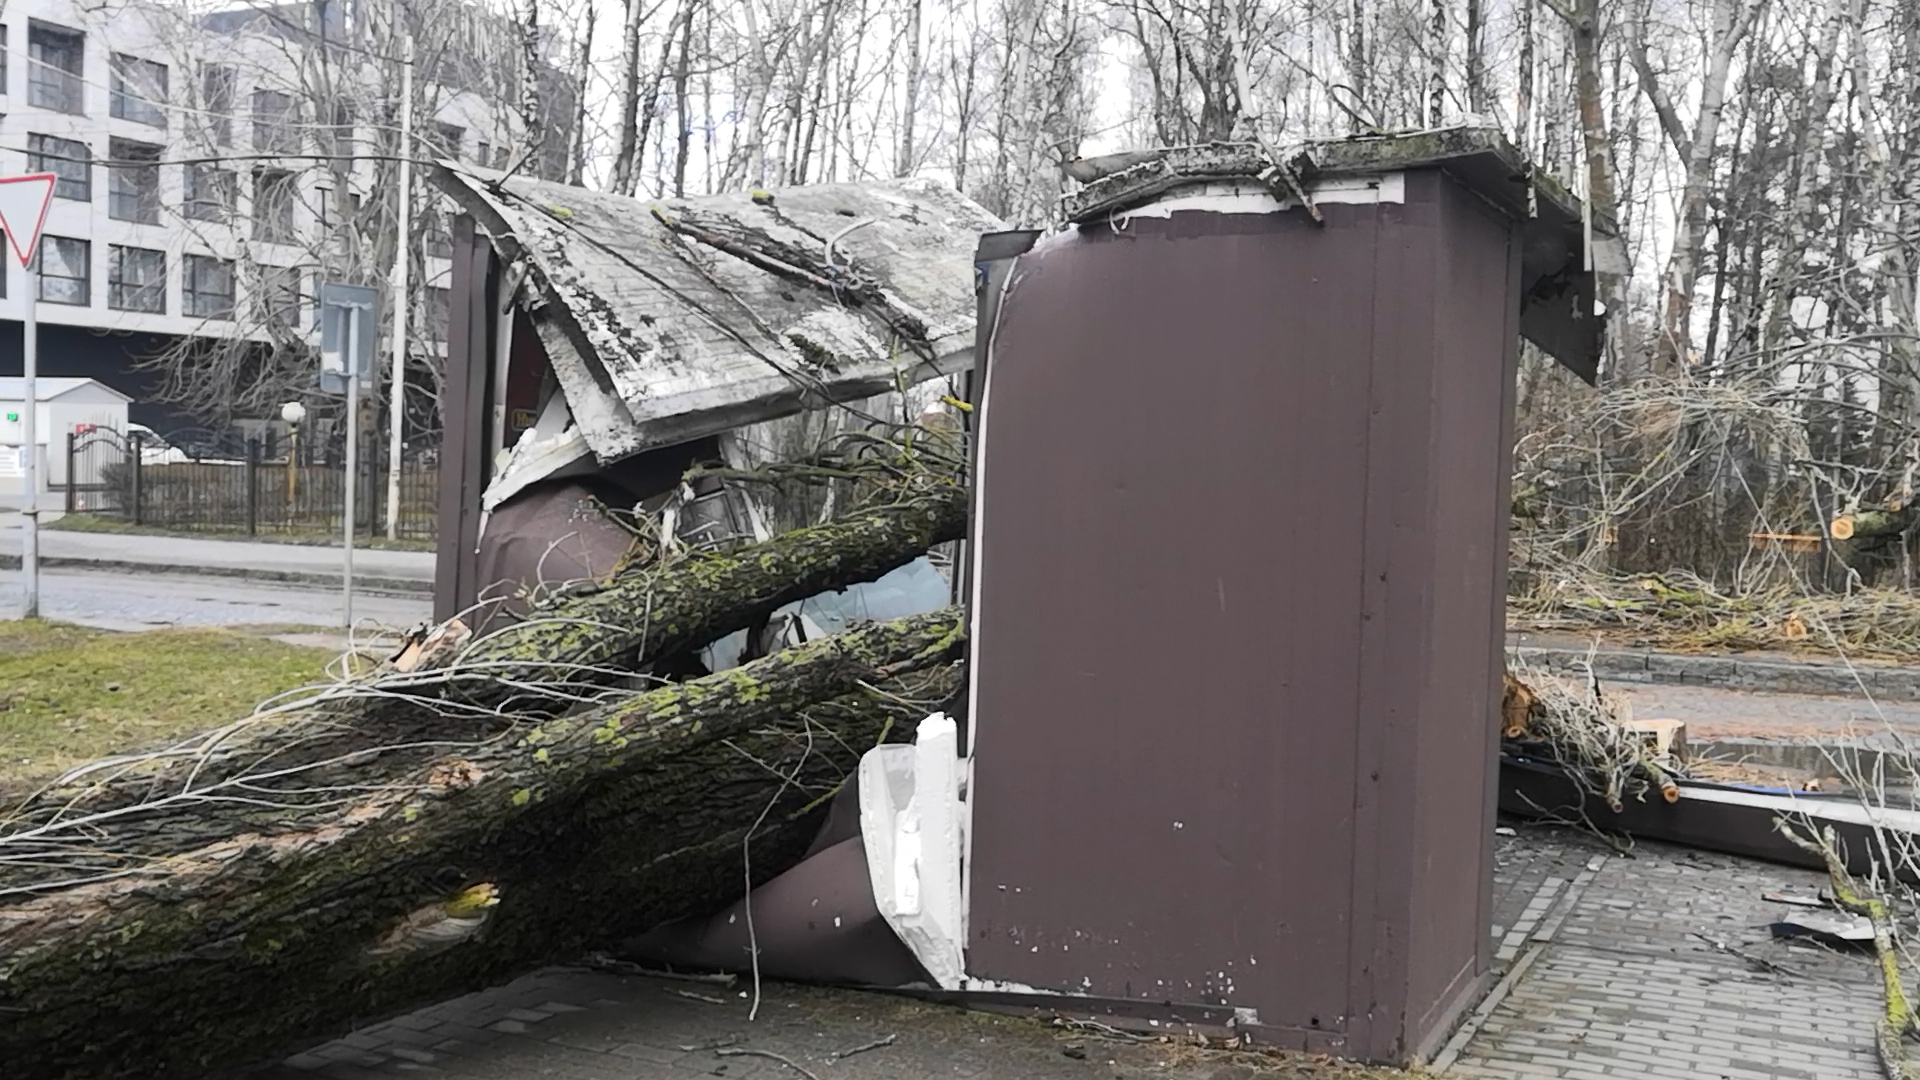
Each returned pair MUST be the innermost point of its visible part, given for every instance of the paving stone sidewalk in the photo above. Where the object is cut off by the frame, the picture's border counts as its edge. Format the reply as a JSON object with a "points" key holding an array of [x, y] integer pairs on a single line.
{"points": [[579, 1024], [1658, 965]]}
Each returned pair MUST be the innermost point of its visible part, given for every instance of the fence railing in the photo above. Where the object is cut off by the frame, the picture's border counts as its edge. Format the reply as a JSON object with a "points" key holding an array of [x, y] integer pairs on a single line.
{"points": [[239, 486]]}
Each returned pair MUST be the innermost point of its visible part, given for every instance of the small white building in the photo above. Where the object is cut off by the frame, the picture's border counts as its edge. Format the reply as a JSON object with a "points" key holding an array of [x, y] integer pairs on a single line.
{"points": [[66, 406]]}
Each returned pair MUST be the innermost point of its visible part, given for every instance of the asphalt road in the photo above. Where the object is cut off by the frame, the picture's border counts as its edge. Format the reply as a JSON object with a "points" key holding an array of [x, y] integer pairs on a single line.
{"points": [[142, 601]]}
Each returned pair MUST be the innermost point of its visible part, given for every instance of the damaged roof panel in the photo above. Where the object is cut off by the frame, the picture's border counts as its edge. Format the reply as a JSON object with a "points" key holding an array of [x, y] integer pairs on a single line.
{"points": [[672, 320]]}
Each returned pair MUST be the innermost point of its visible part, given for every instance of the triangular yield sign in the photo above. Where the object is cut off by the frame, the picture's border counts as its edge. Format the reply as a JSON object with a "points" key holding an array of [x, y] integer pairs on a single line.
{"points": [[23, 211]]}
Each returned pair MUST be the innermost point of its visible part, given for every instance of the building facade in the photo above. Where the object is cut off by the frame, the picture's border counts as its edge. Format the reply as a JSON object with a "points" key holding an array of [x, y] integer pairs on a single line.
{"points": [[213, 169]]}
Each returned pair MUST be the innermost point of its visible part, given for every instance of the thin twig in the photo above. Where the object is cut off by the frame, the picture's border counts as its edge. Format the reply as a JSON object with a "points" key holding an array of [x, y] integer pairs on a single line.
{"points": [[771, 1056], [842, 1055]]}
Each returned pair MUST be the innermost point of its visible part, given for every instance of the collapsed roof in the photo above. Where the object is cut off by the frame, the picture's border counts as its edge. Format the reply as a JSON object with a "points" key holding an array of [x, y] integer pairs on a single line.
{"points": [[673, 320]]}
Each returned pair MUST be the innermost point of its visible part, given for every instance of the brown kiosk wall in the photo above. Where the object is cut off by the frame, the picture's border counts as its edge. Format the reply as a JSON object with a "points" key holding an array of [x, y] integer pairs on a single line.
{"points": [[1241, 539]]}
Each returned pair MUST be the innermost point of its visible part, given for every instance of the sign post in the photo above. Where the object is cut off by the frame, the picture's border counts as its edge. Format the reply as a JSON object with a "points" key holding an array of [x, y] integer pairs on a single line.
{"points": [[23, 212], [349, 315]]}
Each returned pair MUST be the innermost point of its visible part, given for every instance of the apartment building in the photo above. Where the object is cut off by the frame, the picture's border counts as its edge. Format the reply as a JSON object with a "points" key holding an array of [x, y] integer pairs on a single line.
{"points": [[211, 169]]}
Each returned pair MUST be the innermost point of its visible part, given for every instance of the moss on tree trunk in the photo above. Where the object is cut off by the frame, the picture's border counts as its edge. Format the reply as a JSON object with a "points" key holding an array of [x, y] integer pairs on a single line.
{"points": [[684, 603]]}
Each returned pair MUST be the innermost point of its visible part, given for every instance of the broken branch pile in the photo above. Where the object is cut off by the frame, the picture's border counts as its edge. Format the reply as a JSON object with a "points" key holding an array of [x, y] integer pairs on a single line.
{"points": [[1682, 612], [1586, 734], [371, 845]]}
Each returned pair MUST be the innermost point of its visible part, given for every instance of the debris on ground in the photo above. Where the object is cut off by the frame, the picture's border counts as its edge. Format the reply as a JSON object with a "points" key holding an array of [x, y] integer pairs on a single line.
{"points": [[1683, 613], [1591, 736], [1836, 929]]}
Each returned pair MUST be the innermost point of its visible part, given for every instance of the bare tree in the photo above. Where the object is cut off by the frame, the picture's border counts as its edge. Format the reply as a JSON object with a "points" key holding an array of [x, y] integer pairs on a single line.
{"points": [[1695, 146], [296, 182]]}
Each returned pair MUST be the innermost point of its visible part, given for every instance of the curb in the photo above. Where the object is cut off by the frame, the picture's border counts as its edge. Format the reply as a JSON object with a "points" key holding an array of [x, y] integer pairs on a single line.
{"points": [[361, 583], [1870, 756], [1728, 673]]}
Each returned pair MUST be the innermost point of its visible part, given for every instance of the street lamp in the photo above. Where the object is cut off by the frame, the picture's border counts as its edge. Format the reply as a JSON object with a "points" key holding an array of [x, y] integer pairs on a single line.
{"points": [[292, 412]]}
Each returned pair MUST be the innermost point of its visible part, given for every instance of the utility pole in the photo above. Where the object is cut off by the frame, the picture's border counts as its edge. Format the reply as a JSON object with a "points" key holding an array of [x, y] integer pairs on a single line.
{"points": [[397, 407]]}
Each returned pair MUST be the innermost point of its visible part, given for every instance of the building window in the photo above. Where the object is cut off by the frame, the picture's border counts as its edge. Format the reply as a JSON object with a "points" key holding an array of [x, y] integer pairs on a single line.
{"points": [[6, 47], [274, 123], [66, 271], [206, 287], [274, 194], [483, 154], [56, 68], [276, 299], [133, 190], [439, 303], [342, 133], [446, 139], [212, 193], [217, 83], [71, 161], [435, 239], [137, 279], [139, 91]]}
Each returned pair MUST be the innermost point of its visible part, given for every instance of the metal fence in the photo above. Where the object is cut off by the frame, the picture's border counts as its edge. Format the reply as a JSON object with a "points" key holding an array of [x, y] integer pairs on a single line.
{"points": [[193, 482]]}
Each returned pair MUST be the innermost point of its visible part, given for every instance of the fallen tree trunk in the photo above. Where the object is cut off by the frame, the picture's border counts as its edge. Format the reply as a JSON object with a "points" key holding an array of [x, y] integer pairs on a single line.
{"points": [[598, 630], [566, 654], [373, 882]]}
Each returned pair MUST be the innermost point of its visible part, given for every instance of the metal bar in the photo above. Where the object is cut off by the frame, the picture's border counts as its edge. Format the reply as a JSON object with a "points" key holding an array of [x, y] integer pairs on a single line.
{"points": [[30, 465], [253, 487], [72, 437], [350, 347], [134, 457]]}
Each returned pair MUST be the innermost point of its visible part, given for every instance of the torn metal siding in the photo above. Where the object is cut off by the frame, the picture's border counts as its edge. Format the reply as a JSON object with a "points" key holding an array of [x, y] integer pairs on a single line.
{"points": [[679, 319]]}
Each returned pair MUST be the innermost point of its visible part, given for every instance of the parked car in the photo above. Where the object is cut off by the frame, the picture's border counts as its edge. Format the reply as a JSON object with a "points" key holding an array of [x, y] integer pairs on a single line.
{"points": [[155, 450]]}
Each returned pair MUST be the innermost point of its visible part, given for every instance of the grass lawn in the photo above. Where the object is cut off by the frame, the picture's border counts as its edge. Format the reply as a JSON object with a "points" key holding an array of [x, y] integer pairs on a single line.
{"points": [[69, 694]]}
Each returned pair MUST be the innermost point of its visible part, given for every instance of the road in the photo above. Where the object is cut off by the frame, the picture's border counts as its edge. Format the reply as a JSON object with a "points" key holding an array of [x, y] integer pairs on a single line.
{"points": [[142, 601]]}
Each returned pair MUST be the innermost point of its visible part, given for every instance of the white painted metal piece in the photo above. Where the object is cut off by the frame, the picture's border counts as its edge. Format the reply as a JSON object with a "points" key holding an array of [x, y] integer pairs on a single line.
{"points": [[910, 823]]}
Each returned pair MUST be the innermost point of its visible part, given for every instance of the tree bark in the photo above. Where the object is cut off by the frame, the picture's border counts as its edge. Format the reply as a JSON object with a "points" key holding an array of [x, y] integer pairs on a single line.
{"points": [[907, 161], [626, 156], [1476, 60], [577, 830], [1732, 20], [687, 602], [1437, 64]]}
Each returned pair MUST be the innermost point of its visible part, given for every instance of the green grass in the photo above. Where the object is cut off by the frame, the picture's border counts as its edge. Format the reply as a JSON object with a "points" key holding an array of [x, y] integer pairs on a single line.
{"points": [[102, 523], [69, 695]]}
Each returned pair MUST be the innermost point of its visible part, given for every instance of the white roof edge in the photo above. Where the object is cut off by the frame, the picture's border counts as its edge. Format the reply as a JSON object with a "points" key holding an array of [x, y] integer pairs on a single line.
{"points": [[48, 387]]}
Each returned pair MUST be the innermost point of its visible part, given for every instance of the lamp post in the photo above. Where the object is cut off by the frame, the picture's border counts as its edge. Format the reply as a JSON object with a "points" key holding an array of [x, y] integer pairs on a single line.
{"points": [[293, 413]]}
